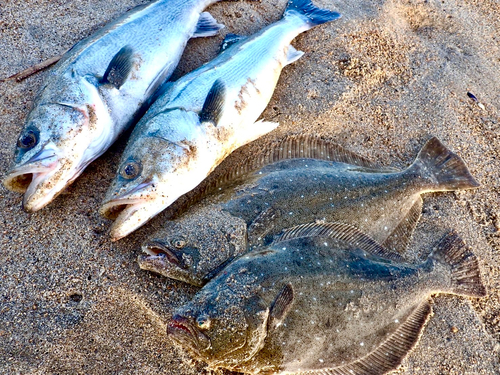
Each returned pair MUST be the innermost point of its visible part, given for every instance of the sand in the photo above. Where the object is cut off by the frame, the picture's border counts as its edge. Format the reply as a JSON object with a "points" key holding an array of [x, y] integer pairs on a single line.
{"points": [[380, 81]]}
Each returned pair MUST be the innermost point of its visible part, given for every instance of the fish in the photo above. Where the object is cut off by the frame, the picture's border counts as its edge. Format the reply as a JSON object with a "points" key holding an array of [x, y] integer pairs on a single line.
{"points": [[97, 90], [322, 299], [201, 118], [296, 180]]}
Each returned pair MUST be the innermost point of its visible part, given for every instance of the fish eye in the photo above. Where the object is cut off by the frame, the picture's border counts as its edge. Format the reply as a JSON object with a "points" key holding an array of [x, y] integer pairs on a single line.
{"points": [[130, 170], [203, 322], [28, 140], [179, 243]]}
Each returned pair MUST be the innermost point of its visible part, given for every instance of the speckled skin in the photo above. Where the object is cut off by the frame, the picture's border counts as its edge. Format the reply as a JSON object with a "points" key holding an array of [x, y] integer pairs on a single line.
{"points": [[77, 116], [346, 302], [292, 192]]}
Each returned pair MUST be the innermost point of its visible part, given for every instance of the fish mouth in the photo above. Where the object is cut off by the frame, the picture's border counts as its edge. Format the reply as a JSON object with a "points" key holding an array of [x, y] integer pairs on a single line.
{"points": [[156, 249], [33, 178], [132, 209], [161, 259], [180, 330]]}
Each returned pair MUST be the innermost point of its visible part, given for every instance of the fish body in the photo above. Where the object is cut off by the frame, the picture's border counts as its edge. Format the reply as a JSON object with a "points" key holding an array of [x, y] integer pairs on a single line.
{"points": [[97, 90], [323, 299], [336, 186], [202, 118]]}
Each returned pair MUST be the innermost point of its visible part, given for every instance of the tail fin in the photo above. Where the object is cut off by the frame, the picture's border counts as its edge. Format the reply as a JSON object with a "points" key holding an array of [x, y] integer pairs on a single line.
{"points": [[445, 168], [313, 15], [465, 273]]}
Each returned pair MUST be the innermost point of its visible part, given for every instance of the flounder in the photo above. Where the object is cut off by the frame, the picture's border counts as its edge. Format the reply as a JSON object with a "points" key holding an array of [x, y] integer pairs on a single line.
{"points": [[202, 118], [300, 179], [323, 299]]}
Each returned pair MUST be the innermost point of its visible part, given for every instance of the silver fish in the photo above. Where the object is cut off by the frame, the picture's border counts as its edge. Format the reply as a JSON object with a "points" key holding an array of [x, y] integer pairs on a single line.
{"points": [[97, 90], [202, 118], [298, 180], [323, 299]]}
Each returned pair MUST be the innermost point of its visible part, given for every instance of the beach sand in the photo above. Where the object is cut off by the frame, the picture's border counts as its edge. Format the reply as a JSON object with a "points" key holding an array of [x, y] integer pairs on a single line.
{"points": [[380, 82]]}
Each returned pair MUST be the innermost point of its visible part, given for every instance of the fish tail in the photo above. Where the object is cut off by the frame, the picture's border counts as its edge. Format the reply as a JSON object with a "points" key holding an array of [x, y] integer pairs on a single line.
{"points": [[313, 15], [445, 169], [463, 264]]}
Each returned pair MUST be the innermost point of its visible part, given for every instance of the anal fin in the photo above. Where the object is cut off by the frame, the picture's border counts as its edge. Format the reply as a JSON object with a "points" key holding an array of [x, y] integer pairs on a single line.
{"points": [[401, 236], [293, 55], [338, 231], [388, 355], [207, 26]]}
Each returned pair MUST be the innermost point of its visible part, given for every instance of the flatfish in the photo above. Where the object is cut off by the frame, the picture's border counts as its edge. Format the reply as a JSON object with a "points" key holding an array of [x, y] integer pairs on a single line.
{"points": [[322, 299], [298, 180]]}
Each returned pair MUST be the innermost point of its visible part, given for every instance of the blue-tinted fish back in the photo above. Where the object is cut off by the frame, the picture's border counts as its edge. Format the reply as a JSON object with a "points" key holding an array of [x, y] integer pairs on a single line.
{"points": [[315, 16]]}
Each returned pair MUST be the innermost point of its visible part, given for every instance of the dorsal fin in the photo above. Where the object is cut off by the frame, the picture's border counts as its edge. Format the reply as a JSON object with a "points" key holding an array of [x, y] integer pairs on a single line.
{"points": [[207, 26], [294, 146], [400, 237], [229, 40], [388, 355], [119, 68], [339, 231]]}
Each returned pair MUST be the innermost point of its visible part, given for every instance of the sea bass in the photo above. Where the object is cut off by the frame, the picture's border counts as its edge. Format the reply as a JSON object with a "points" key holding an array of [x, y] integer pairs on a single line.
{"points": [[97, 90], [322, 299], [298, 180], [202, 118]]}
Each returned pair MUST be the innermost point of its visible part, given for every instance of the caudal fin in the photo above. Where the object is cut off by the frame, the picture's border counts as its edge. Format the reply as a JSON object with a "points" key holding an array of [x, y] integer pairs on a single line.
{"points": [[445, 169], [313, 15], [465, 273]]}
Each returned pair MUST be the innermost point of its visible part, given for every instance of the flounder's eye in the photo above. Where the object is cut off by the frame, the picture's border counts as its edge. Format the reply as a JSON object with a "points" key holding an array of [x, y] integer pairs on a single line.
{"points": [[27, 140], [203, 322], [130, 170], [179, 243]]}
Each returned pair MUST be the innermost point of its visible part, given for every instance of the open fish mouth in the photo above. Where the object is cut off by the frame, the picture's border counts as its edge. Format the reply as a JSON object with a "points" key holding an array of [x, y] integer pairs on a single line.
{"points": [[33, 178], [158, 250], [131, 209]]}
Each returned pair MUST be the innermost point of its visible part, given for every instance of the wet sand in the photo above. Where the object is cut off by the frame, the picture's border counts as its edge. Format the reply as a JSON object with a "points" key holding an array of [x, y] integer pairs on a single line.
{"points": [[380, 82]]}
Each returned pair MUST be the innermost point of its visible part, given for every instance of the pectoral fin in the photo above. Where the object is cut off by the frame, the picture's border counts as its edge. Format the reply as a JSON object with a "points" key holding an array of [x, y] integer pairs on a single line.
{"points": [[207, 26], [280, 307], [214, 103], [119, 68]]}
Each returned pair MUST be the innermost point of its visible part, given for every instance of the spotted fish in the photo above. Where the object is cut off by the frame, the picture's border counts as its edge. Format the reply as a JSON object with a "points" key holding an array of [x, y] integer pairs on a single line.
{"points": [[202, 118], [298, 180], [97, 90], [323, 299]]}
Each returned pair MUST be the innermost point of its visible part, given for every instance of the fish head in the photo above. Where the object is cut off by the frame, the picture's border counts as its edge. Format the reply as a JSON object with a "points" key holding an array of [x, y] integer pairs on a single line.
{"points": [[220, 325], [196, 246], [158, 166], [58, 141]]}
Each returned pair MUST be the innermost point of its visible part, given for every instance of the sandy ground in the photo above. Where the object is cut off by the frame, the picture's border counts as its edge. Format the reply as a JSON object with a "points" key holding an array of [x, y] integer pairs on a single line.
{"points": [[381, 81]]}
